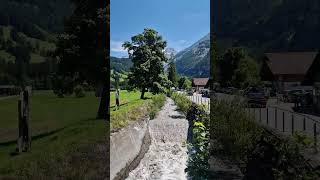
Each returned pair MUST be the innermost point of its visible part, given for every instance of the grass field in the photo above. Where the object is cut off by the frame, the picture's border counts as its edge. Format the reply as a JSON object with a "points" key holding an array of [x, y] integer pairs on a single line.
{"points": [[131, 108], [6, 56], [60, 128]]}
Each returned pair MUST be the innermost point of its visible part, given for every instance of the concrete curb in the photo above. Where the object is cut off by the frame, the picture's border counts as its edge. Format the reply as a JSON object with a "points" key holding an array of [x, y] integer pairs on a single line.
{"points": [[127, 147], [124, 173]]}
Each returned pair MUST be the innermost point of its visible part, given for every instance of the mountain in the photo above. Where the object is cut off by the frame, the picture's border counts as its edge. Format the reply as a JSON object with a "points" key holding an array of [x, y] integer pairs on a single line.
{"points": [[264, 26], [24, 14], [194, 61], [33, 24], [120, 64]]}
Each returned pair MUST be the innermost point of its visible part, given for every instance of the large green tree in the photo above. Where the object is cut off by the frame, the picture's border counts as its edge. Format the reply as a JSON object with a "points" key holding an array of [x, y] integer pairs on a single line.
{"points": [[247, 73], [229, 63], [147, 53], [83, 48], [238, 69]]}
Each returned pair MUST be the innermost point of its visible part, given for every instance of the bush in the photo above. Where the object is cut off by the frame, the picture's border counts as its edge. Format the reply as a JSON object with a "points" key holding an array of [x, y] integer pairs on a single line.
{"points": [[198, 165], [169, 92], [79, 91], [197, 113], [157, 102], [182, 102], [62, 85], [233, 130]]}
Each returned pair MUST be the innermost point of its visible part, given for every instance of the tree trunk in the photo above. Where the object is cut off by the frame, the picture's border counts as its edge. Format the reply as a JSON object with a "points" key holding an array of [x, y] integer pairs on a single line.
{"points": [[142, 93], [103, 112], [24, 139]]}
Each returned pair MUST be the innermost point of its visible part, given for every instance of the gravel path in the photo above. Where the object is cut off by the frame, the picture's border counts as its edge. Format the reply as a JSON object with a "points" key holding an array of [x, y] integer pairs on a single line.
{"points": [[167, 156]]}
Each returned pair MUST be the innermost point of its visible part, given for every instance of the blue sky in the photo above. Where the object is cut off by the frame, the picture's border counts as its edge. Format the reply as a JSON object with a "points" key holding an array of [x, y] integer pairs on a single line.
{"points": [[180, 22]]}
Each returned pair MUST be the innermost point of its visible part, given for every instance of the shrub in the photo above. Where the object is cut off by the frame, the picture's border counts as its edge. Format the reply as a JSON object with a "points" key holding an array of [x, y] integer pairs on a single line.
{"points": [[157, 102], [79, 91], [198, 165], [62, 85], [232, 128], [197, 113], [169, 92], [182, 102]]}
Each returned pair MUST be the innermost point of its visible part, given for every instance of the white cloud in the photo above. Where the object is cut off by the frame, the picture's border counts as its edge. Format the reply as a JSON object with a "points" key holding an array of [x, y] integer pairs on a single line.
{"points": [[116, 46]]}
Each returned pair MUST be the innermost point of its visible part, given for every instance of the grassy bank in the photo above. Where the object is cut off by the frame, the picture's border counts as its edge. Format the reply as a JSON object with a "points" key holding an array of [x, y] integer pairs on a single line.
{"points": [[132, 108], [61, 128]]}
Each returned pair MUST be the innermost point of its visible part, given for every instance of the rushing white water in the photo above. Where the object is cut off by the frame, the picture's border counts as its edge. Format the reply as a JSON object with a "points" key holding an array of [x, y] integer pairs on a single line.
{"points": [[167, 156]]}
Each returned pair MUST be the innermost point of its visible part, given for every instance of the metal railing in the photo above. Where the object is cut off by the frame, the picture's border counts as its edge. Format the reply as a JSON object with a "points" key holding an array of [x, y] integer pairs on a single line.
{"points": [[287, 121]]}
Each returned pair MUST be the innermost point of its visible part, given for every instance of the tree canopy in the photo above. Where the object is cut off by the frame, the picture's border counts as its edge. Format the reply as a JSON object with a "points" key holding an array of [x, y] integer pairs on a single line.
{"points": [[237, 68], [146, 50]]}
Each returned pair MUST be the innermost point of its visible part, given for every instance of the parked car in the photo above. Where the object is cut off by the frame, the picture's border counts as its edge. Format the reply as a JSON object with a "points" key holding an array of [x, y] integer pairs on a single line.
{"points": [[291, 95], [205, 93], [256, 97], [190, 92]]}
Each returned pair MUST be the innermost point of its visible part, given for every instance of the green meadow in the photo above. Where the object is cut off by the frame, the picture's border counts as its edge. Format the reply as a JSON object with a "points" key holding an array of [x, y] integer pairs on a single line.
{"points": [[60, 128]]}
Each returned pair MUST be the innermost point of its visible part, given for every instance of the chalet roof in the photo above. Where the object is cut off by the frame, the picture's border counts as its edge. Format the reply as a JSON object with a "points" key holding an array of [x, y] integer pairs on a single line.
{"points": [[200, 81], [290, 62]]}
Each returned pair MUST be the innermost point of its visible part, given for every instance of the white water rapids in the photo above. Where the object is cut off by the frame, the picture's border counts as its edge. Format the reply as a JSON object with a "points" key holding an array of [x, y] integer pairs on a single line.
{"points": [[167, 156]]}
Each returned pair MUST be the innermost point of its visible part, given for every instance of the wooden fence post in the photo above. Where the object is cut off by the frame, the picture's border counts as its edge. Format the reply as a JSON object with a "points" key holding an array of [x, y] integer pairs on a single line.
{"points": [[267, 116], [276, 117], [292, 123], [260, 114], [304, 123], [315, 137], [283, 122], [24, 139]]}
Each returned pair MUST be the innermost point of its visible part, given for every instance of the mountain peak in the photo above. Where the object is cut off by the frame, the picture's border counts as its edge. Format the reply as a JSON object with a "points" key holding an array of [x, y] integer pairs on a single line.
{"points": [[194, 60]]}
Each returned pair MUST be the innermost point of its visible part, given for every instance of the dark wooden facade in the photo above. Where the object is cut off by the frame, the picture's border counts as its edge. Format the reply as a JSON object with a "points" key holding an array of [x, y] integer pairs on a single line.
{"points": [[289, 68]]}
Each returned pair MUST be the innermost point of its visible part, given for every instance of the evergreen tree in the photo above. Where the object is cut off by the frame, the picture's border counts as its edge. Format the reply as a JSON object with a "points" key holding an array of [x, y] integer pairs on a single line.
{"points": [[172, 74]]}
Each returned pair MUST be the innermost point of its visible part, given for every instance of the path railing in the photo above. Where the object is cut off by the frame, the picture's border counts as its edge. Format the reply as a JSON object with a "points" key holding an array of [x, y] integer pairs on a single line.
{"points": [[288, 122]]}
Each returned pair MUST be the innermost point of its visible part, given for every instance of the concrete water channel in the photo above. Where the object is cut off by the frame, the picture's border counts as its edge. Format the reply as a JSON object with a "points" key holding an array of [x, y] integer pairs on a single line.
{"points": [[167, 156]]}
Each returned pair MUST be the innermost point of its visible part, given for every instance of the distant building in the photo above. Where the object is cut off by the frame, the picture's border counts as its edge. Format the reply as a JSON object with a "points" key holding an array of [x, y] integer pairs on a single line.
{"points": [[287, 69], [200, 83], [313, 78]]}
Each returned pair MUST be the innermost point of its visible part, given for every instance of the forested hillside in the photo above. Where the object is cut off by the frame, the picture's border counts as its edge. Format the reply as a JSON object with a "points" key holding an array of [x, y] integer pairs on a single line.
{"points": [[273, 25], [28, 32], [120, 64]]}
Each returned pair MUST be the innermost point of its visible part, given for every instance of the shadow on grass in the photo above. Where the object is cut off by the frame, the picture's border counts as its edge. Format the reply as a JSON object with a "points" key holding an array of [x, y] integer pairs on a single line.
{"points": [[120, 105], [36, 137], [46, 134], [133, 101]]}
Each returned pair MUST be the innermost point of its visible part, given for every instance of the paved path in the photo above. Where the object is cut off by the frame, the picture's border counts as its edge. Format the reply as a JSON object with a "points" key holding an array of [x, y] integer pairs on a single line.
{"points": [[167, 156]]}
